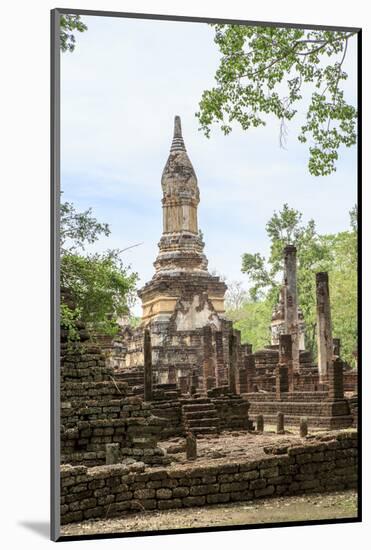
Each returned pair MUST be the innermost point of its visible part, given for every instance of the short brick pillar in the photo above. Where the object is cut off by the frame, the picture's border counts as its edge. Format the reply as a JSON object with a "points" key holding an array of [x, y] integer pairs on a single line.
{"points": [[191, 446], [260, 423], [280, 423], [303, 426]]}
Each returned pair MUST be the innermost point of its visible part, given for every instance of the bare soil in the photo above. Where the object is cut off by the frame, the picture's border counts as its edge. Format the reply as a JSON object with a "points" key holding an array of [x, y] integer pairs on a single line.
{"points": [[230, 446], [342, 504]]}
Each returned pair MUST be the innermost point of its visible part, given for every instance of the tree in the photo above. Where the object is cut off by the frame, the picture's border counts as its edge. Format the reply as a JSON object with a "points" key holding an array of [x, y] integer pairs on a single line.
{"points": [[286, 227], [336, 254], [69, 24], [342, 269], [253, 320], [267, 71], [235, 296], [100, 286], [77, 229]]}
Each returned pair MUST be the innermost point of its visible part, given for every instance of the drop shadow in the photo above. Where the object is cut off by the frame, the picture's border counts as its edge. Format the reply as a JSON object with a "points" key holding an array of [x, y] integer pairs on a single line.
{"points": [[41, 528]]}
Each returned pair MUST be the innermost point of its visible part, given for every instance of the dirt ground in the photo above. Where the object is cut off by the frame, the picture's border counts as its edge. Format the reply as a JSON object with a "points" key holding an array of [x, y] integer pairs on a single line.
{"points": [[342, 504], [233, 445]]}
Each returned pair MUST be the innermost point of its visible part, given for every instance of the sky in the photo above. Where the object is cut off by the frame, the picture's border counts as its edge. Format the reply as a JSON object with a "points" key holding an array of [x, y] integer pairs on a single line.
{"points": [[120, 91]]}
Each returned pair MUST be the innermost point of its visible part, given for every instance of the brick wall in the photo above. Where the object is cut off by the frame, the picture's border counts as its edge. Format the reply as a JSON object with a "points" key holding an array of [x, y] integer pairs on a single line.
{"points": [[107, 491]]}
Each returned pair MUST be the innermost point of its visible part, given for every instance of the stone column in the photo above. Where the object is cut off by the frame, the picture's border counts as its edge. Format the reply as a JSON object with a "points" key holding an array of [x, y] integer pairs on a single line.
{"points": [[336, 347], [282, 381], [335, 376], [219, 352], [147, 347], [239, 358], [324, 331], [291, 302], [171, 375], [183, 384], [286, 360], [233, 362], [250, 372], [208, 367], [194, 382]]}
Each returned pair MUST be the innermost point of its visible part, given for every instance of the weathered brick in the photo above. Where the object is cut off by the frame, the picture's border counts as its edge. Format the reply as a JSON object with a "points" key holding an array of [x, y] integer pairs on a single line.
{"points": [[181, 492], [164, 493], [169, 504], [194, 501], [264, 492]]}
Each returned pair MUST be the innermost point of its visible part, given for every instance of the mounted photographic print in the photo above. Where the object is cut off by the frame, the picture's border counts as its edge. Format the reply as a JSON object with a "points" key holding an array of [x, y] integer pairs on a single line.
{"points": [[205, 188]]}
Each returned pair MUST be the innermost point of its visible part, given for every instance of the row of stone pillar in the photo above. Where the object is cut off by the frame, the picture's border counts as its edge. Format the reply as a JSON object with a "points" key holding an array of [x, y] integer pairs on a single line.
{"points": [[280, 427], [328, 348], [213, 368], [209, 363]]}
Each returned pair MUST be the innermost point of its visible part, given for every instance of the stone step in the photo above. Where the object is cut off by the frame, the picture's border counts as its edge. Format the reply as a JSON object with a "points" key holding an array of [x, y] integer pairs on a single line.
{"points": [[325, 422], [200, 430], [200, 401], [201, 407], [190, 415], [205, 422]]}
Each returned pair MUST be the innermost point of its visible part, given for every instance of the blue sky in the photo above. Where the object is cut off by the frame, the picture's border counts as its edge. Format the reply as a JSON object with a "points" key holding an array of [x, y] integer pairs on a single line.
{"points": [[120, 90]]}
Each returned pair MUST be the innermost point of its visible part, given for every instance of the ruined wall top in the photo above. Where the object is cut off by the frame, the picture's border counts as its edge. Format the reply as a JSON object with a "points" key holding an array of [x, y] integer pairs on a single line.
{"points": [[179, 178]]}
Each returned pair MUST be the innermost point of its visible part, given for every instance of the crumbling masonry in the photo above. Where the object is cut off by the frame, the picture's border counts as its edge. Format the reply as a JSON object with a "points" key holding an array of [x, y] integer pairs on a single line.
{"points": [[184, 374]]}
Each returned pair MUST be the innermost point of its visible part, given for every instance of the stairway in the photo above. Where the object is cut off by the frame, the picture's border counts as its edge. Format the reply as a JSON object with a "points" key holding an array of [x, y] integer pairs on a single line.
{"points": [[134, 378], [200, 416]]}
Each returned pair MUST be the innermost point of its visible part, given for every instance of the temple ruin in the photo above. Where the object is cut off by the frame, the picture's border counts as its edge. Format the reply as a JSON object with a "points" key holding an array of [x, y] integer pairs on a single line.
{"points": [[183, 304], [191, 339], [151, 419]]}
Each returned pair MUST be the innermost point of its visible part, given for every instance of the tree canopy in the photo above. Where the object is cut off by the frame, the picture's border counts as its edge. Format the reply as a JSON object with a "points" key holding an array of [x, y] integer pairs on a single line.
{"points": [[101, 287], [267, 71], [334, 253], [68, 25]]}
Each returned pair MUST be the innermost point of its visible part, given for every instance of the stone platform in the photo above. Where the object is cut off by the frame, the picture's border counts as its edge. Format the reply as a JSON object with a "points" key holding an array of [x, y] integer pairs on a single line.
{"points": [[320, 411]]}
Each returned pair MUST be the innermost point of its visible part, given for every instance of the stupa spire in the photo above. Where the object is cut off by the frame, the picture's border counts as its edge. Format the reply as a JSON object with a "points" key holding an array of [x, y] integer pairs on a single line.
{"points": [[181, 247], [181, 275]]}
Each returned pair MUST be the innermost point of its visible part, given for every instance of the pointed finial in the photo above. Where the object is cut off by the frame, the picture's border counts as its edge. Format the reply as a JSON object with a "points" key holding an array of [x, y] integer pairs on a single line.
{"points": [[177, 143], [177, 127]]}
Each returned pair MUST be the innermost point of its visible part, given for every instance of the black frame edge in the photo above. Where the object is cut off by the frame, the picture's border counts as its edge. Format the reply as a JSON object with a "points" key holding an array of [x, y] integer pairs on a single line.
{"points": [[54, 287], [197, 19], [55, 263]]}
